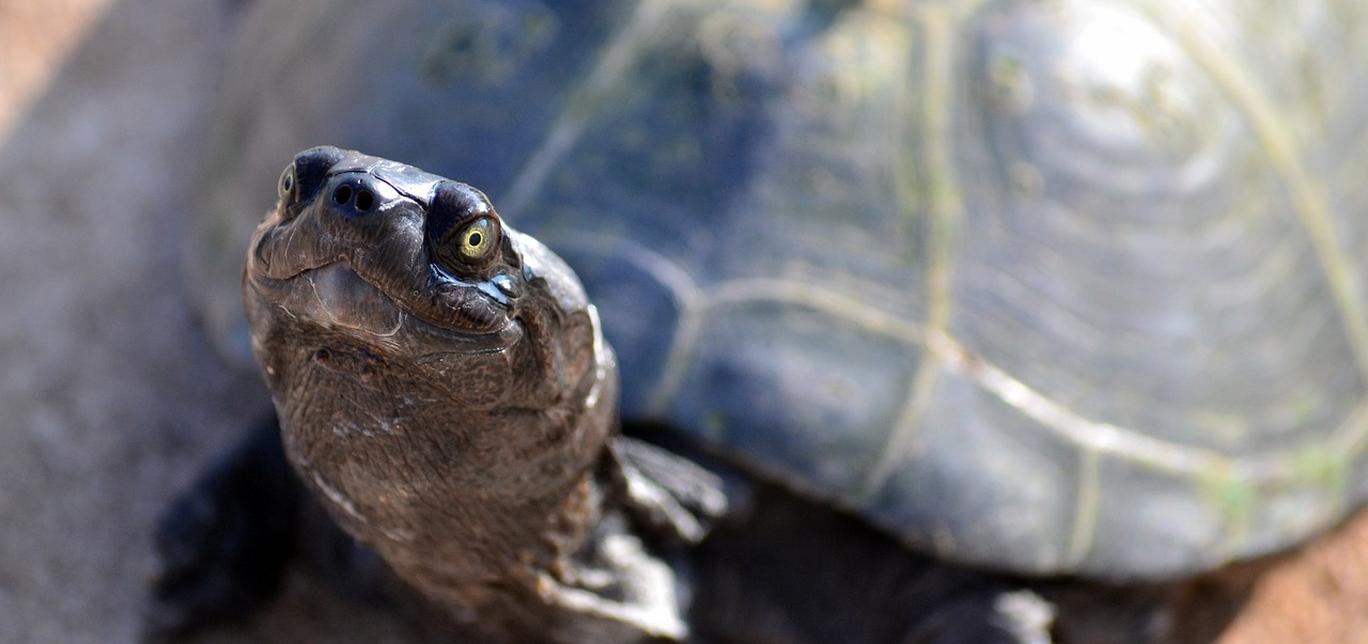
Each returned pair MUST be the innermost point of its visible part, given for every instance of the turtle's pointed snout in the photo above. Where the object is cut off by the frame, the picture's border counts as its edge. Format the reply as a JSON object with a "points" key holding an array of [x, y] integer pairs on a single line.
{"points": [[358, 196]]}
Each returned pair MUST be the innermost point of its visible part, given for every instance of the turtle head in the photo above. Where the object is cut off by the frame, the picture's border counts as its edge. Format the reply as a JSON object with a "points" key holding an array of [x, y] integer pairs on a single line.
{"points": [[418, 272], [429, 363]]}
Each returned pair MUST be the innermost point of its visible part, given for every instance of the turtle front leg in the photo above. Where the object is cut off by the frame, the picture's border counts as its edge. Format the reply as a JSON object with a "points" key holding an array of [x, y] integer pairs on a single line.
{"points": [[222, 545], [666, 495], [631, 579]]}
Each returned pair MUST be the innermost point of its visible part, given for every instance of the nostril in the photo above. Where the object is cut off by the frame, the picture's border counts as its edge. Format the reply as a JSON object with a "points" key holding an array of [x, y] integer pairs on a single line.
{"points": [[364, 200], [358, 195]]}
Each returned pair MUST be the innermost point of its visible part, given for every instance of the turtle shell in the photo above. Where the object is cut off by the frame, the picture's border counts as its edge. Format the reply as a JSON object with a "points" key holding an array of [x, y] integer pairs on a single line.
{"points": [[1065, 287]]}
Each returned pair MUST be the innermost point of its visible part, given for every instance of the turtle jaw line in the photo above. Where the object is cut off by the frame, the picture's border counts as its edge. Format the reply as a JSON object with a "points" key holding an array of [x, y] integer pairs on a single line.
{"points": [[334, 294]]}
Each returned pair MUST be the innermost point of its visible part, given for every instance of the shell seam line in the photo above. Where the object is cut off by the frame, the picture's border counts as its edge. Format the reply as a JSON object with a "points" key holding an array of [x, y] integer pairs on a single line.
{"points": [[613, 61], [1103, 438], [1091, 435], [943, 208], [1085, 509], [1307, 202], [695, 304], [1266, 469]]}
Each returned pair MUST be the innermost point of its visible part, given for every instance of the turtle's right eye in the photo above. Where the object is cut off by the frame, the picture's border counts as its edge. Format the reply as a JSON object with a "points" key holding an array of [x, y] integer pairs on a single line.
{"points": [[286, 185], [478, 238]]}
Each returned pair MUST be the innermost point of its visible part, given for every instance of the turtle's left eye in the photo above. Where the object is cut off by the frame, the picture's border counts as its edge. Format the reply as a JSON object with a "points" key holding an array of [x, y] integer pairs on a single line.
{"points": [[285, 187], [479, 238]]}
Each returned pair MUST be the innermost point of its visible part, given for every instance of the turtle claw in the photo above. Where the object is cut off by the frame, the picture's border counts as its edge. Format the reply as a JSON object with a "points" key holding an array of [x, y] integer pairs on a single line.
{"points": [[666, 494], [223, 544]]}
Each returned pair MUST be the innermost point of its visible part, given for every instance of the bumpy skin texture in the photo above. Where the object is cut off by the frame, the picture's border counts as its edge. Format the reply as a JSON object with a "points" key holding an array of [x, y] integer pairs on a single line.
{"points": [[449, 407], [776, 568]]}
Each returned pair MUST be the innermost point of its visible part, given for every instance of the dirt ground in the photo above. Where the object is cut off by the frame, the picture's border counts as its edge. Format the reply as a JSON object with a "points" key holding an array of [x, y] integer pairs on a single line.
{"points": [[110, 398]]}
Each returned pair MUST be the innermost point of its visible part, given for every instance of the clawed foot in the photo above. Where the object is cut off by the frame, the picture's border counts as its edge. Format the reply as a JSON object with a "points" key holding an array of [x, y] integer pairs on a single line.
{"points": [[619, 588], [668, 495]]}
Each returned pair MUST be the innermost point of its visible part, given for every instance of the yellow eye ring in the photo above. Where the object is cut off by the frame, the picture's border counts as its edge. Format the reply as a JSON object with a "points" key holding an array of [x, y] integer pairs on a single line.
{"points": [[287, 180], [477, 240]]}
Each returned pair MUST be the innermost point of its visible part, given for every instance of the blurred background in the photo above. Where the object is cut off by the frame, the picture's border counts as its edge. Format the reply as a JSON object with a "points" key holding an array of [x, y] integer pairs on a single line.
{"points": [[112, 395]]}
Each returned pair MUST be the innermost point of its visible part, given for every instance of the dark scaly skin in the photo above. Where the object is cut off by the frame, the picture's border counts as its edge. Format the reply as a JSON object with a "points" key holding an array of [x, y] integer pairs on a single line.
{"points": [[450, 413]]}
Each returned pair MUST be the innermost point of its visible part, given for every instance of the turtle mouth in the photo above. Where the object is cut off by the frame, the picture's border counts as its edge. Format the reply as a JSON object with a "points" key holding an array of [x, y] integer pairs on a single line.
{"points": [[337, 297]]}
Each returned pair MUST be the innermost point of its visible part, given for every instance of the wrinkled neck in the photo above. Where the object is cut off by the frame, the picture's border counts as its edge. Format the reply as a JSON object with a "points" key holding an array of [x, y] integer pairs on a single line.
{"points": [[472, 473], [453, 498]]}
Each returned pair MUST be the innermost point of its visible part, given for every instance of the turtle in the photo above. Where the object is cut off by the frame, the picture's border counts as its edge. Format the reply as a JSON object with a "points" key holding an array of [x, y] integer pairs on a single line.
{"points": [[1039, 288], [445, 393]]}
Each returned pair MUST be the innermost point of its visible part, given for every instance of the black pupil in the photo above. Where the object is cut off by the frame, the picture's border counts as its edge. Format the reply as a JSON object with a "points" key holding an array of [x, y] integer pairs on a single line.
{"points": [[475, 239], [288, 182]]}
